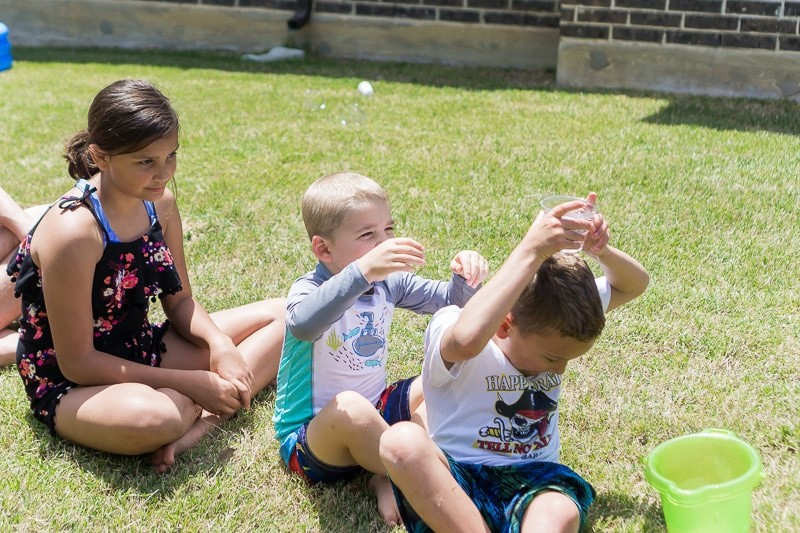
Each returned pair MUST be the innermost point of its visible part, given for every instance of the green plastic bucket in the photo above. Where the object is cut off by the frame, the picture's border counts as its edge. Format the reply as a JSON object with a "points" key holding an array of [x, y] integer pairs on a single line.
{"points": [[705, 481]]}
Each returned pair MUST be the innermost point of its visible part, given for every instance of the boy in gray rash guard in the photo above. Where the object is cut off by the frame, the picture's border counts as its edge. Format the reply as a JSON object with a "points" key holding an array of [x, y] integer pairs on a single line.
{"points": [[332, 373]]}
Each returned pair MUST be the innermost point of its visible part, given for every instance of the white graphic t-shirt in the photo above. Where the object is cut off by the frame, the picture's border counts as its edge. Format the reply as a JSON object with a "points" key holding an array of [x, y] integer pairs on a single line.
{"points": [[483, 410]]}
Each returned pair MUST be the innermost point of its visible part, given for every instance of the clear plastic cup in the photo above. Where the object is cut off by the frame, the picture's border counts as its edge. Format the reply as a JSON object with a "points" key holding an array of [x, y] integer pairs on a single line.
{"points": [[586, 212]]}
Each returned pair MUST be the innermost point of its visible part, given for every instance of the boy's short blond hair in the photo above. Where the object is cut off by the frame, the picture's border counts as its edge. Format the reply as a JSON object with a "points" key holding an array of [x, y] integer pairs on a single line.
{"points": [[331, 199], [562, 298]]}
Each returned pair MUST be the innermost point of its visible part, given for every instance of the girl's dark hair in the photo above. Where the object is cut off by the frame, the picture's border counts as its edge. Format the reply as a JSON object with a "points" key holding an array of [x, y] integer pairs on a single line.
{"points": [[124, 117]]}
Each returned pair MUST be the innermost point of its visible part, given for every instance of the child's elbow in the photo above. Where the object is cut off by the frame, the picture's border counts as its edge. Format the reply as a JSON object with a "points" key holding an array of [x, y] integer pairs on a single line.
{"points": [[464, 345]]}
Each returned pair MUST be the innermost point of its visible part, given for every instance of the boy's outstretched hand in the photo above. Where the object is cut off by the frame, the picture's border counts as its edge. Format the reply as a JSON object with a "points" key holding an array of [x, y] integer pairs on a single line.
{"points": [[471, 266], [596, 238]]}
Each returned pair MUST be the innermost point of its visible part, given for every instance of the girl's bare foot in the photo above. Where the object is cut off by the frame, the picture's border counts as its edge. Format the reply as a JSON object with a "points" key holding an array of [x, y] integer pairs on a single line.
{"points": [[163, 458], [387, 505]]}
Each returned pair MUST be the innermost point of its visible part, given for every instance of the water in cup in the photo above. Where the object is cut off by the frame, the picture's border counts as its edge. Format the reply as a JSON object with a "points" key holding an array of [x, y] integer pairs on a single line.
{"points": [[586, 212]]}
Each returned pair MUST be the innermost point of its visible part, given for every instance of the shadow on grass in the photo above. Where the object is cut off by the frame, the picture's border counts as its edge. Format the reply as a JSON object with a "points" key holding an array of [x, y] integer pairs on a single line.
{"points": [[134, 473], [742, 114], [468, 78], [616, 507]]}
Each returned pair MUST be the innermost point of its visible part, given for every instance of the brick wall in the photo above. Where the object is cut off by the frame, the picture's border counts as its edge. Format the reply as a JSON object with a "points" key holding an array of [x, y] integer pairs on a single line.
{"points": [[519, 13], [736, 24]]}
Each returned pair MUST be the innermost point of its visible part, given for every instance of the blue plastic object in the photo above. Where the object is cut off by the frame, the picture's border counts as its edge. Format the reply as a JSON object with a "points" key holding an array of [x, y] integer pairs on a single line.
{"points": [[5, 48]]}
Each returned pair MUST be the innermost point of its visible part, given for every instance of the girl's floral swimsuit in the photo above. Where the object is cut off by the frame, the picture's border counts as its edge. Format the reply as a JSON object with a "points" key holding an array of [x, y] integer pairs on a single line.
{"points": [[127, 278]]}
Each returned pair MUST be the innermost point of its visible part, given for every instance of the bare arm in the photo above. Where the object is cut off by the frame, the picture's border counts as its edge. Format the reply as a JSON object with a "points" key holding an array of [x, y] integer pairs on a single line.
{"points": [[67, 247], [189, 317], [485, 312], [627, 277]]}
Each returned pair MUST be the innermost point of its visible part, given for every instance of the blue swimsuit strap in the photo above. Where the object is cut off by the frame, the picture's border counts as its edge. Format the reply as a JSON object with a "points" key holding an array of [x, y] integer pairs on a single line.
{"points": [[91, 193]]}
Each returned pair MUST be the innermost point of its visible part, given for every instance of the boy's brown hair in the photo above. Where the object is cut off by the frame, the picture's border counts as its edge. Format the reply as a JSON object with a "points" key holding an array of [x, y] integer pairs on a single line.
{"points": [[562, 298], [328, 202]]}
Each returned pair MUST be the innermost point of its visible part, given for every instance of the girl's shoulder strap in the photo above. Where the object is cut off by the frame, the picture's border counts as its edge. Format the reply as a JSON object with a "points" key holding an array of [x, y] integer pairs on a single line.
{"points": [[151, 212], [88, 198]]}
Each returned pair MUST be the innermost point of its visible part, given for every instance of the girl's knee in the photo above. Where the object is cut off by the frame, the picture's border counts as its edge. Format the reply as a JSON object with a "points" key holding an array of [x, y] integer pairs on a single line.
{"points": [[164, 415]]}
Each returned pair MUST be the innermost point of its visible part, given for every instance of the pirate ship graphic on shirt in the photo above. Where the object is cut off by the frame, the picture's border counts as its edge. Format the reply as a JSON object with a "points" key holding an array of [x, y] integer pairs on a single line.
{"points": [[522, 427]]}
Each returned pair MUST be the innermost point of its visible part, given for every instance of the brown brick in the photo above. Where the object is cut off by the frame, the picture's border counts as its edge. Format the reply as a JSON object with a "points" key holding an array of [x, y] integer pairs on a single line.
{"points": [[542, 21], [790, 43], [701, 38], [749, 40], [459, 15], [272, 4], [545, 6], [772, 9], [637, 34], [585, 31], [176, 1], [397, 11], [598, 3], [500, 17], [333, 7], [602, 15], [769, 25], [704, 6], [450, 3], [642, 4], [488, 4], [791, 9], [711, 22], [648, 18]]}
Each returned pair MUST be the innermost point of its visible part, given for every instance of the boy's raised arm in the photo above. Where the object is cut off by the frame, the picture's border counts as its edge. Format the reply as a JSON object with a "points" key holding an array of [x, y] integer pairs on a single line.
{"points": [[627, 277], [312, 307], [486, 311]]}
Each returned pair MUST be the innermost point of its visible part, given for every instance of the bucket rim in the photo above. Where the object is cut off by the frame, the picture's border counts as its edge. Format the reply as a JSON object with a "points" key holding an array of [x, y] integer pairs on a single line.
{"points": [[742, 484]]}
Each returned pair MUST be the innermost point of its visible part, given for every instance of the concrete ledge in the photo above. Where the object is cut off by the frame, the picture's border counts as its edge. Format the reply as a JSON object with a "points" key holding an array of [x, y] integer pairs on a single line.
{"points": [[678, 69], [153, 25], [430, 42]]}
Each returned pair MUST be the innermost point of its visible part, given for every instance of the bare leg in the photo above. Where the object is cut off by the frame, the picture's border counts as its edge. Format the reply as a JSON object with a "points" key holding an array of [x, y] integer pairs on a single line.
{"points": [[8, 346], [14, 218], [126, 419], [11, 232], [416, 404], [347, 432], [551, 511], [420, 470], [257, 330], [387, 505]]}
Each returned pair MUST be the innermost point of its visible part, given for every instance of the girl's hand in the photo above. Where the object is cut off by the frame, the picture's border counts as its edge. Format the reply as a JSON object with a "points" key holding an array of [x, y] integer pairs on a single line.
{"points": [[214, 394], [471, 266], [227, 362]]}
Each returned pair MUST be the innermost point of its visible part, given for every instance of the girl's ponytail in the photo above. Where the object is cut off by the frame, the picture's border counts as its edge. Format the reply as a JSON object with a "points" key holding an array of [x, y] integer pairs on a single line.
{"points": [[79, 161]]}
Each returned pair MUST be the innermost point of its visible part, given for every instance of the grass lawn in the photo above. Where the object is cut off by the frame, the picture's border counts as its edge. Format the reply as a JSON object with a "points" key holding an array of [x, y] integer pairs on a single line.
{"points": [[704, 192]]}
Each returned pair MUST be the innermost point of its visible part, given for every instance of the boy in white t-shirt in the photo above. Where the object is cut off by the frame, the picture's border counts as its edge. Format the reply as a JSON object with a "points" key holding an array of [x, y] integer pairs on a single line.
{"points": [[491, 380]]}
